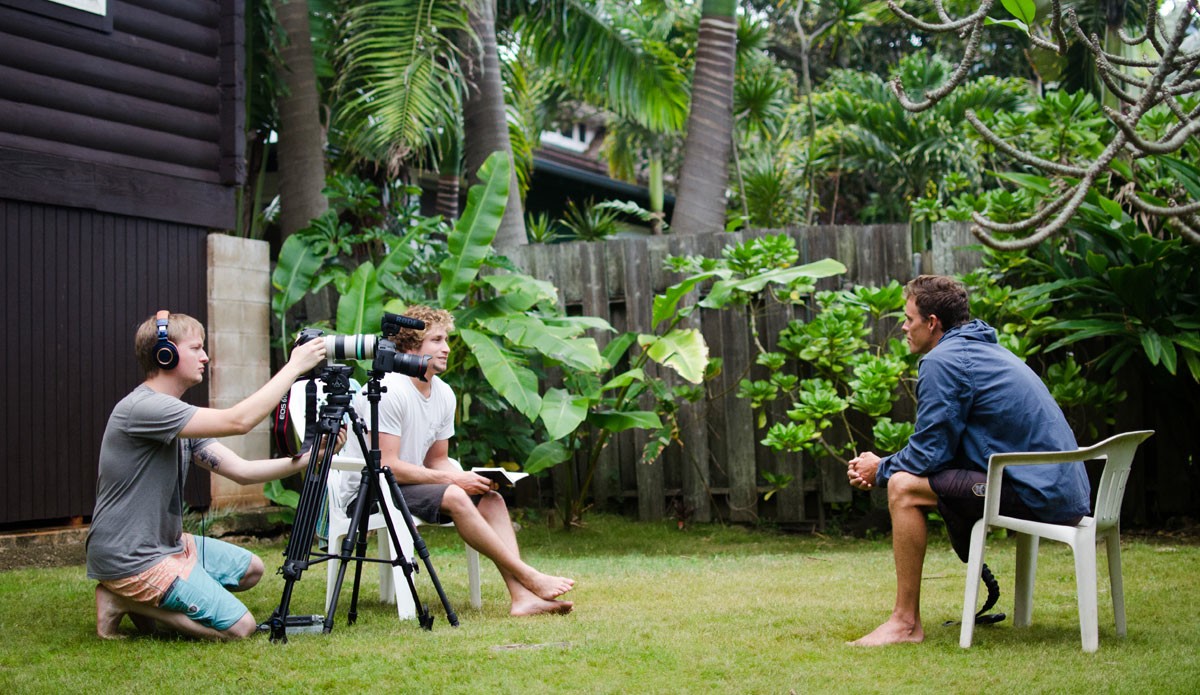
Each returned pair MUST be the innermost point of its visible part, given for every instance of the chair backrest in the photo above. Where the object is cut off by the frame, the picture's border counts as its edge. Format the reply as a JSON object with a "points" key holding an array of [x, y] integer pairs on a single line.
{"points": [[1118, 453]]}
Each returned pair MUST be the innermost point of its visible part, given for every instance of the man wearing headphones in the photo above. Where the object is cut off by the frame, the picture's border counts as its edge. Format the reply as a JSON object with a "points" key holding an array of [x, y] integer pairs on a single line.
{"points": [[146, 566]]}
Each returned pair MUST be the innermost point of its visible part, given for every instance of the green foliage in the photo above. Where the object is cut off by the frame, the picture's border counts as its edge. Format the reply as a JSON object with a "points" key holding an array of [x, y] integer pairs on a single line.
{"points": [[589, 221], [891, 436], [777, 481], [540, 229], [474, 231], [852, 377], [1112, 290], [399, 76], [282, 497], [906, 156]]}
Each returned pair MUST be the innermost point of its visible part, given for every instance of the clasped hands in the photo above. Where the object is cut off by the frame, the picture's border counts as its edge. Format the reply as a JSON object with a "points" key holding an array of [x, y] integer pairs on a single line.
{"points": [[861, 470]]}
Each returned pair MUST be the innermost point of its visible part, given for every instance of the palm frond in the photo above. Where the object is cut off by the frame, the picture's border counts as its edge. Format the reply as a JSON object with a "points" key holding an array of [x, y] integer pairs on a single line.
{"points": [[400, 76], [606, 63]]}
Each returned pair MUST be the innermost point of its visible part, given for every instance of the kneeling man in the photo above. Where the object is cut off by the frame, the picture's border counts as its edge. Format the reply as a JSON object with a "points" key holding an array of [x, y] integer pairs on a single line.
{"points": [[147, 567], [974, 399]]}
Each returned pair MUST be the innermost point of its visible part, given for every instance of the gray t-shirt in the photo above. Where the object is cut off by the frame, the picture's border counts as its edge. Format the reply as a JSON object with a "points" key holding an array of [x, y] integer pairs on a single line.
{"points": [[138, 518]]}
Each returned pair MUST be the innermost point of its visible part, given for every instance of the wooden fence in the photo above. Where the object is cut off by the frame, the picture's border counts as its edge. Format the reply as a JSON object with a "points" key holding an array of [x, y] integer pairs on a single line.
{"points": [[719, 467]]}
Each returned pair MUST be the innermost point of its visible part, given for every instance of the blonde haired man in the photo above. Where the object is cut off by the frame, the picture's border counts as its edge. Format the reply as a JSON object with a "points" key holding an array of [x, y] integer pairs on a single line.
{"points": [[146, 566], [416, 421]]}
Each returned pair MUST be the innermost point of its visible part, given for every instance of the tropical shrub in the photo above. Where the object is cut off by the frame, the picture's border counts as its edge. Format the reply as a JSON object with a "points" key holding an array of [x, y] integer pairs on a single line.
{"points": [[510, 331], [1118, 283], [904, 156]]}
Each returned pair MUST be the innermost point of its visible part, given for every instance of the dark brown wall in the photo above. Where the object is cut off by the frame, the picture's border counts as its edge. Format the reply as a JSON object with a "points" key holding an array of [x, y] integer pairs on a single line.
{"points": [[121, 143], [76, 284], [144, 120]]}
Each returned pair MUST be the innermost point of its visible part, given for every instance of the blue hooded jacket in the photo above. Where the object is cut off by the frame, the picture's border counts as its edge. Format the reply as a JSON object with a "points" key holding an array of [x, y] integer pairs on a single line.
{"points": [[975, 399]]}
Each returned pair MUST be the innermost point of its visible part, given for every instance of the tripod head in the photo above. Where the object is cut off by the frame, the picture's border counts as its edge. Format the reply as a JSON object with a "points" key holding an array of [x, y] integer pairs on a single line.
{"points": [[336, 379]]}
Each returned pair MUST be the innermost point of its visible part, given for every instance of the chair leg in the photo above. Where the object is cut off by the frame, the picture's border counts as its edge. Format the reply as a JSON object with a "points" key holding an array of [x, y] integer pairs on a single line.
{"points": [[405, 608], [1084, 548], [335, 544], [473, 577], [1027, 549], [387, 587], [1112, 543], [971, 593]]}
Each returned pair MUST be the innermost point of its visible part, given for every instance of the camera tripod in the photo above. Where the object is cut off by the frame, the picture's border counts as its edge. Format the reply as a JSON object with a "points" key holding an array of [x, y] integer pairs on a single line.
{"points": [[298, 553]]}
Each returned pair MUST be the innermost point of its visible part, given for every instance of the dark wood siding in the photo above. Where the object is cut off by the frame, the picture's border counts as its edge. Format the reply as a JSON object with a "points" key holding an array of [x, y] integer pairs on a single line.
{"points": [[152, 110], [76, 285]]}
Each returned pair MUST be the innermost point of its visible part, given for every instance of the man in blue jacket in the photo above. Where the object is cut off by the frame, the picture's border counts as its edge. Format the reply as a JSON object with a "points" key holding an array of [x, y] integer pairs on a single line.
{"points": [[974, 399]]}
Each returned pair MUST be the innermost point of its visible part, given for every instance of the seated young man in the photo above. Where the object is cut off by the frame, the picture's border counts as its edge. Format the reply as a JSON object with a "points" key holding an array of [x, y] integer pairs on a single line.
{"points": [[974, 398], [146, 565], [416, 421]]}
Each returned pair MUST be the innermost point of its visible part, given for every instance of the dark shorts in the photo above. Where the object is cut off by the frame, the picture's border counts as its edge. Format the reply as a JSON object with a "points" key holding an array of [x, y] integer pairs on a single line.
{"points": [[960, 495], [424, 502]]}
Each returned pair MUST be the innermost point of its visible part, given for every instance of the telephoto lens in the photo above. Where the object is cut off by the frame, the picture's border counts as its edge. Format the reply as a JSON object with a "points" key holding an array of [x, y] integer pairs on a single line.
{"points": [[350, 347], [411, 365]]}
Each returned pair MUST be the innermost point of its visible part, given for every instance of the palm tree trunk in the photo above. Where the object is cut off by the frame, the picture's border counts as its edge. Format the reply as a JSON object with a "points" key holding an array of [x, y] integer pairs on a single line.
{"points": [[449, 172], [301, 149], [485, 124], [700, 204]]}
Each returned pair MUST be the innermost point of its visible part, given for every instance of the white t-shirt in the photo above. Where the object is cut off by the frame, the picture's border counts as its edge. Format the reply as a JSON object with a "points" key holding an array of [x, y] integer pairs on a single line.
{"points": [[403, 412]]}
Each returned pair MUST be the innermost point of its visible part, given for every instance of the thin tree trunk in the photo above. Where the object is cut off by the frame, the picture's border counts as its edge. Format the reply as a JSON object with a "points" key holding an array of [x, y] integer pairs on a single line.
{"points": [[301, 149], [449, 171], [485, 123], [656, 188], [700, 204], [806, 43]]}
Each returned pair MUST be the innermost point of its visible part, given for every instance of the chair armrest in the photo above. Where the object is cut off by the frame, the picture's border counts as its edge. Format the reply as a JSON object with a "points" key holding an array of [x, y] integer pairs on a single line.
{"points": [[348, 463], [998, 462]]}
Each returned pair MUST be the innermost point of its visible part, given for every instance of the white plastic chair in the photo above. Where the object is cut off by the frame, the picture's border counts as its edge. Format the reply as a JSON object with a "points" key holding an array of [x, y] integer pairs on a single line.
{"points": [[1103, 524], [393, 587]]}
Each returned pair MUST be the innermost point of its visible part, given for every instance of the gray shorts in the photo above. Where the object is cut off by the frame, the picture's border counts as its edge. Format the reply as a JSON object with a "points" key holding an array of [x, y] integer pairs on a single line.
{"points": [[960, 494], [424, 502]]}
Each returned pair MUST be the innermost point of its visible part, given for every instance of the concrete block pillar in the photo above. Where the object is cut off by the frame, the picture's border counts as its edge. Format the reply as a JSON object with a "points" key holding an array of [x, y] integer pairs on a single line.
{"points": [[239, 339]]}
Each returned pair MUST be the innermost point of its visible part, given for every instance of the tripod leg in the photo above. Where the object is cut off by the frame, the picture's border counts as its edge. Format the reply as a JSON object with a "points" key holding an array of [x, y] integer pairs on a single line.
{"points": [[357, 535], [423, 617], [371, 492], [419, 545], [299, 546]]}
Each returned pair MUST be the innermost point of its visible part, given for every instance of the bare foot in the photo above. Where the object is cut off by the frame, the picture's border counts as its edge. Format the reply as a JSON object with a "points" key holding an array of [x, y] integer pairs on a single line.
{"points": [[894, 631], [108, 613], [547, 587], [537, 606]]}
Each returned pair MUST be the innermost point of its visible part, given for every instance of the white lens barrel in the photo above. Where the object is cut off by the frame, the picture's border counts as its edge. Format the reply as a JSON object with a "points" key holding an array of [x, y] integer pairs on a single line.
{"points": [[350, 347]]}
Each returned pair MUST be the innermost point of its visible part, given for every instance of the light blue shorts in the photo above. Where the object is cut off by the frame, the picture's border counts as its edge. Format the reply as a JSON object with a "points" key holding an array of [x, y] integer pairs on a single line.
{"points": [[204, 595]]}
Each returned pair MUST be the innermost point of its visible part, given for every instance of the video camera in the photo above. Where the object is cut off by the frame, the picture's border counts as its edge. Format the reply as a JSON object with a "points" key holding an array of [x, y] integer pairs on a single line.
{"points": [[377, 348]]}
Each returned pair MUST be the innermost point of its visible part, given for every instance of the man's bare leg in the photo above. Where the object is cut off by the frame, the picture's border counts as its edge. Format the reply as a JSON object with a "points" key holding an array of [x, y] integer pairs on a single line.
{"points": [[484, 535], [111, 608], [523, 601], [907, 496]]}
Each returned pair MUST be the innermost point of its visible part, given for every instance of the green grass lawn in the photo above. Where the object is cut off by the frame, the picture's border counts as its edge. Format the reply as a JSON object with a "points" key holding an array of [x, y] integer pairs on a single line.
{"points": [[658, 610]]}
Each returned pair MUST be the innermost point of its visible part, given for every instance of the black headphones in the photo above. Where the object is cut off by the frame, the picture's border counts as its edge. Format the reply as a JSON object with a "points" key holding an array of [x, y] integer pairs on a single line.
{"points": [[166, 355]]}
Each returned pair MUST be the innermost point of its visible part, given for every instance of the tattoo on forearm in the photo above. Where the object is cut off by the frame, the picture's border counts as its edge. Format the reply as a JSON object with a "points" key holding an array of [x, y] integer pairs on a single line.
{"points": [[209, 459]]}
